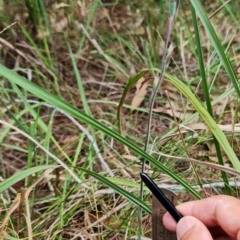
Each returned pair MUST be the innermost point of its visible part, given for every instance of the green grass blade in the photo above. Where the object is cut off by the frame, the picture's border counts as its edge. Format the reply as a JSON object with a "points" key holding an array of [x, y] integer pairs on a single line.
{"points": [[129, 85], [79, 82], [216, 43], [59, 103], [89, 21], [21, 175], [207, 95], [217, 132], [44, 59], [119, 190]]}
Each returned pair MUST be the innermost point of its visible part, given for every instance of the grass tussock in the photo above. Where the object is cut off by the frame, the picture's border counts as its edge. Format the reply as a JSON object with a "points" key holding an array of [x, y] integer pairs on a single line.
{"points": [[66, 172]]}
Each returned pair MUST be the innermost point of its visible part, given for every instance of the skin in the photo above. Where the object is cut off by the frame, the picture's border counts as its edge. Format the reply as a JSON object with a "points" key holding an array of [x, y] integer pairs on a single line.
{"points": [[215, 218]]}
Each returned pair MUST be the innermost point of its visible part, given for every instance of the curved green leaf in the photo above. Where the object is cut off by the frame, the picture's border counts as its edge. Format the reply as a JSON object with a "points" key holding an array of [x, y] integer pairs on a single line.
{"points": [[129, 85], [21, 175], [119, 190], [216, 131], [61, 104]]}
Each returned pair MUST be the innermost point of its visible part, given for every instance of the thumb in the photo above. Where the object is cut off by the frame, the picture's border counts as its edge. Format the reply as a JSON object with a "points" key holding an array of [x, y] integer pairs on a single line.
{"points": [[190, 228]]}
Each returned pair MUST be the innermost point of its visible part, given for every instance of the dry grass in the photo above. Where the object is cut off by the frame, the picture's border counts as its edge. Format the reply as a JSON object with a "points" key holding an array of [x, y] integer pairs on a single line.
{"points": [[122, 39]]}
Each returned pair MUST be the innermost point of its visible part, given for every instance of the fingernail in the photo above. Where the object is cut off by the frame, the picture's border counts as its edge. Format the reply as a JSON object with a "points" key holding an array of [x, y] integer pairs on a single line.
{"points": [[184, 225]]}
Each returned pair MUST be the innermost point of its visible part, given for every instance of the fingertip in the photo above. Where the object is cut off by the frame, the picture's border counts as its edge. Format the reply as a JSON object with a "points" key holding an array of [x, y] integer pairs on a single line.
{"points": [[169, 222], [191, 228]]}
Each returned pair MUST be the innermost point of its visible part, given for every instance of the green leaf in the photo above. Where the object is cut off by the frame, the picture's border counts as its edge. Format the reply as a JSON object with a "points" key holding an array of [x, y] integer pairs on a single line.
{"points": [[61, 104], [22, 175], [216, 131], [216, 43], [119, 190], [207, 95], [131, 82]]}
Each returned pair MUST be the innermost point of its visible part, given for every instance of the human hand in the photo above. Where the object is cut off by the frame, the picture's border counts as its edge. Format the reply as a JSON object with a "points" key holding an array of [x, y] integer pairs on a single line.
{"points": [[215, 217]]}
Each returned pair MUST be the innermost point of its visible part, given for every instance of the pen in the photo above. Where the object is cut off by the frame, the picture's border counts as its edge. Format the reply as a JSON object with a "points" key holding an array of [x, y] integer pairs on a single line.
{"points": [[156, 191]]}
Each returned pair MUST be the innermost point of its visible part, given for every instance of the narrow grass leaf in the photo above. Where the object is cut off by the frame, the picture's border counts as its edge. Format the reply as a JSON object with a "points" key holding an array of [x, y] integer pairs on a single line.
{"points": [[79, 81], [125, 182], [22, 175], [59, 103], [119, 190], [89, 21], [212, 125], [216, 43], [207, 95], [129, 85]]}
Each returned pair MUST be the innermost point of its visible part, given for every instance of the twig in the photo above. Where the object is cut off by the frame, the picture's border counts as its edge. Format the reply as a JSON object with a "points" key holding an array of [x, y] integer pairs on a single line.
{"points": [[158, 79], [179, 188], [208, 164]]}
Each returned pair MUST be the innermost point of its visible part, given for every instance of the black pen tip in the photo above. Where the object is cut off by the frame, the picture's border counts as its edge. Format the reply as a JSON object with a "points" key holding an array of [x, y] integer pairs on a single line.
{"points": [[141, 175]]}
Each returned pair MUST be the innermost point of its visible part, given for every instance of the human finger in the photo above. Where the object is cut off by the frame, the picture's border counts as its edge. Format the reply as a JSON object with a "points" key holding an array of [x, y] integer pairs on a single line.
{"points": [[190, 228], [222, 211]]}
